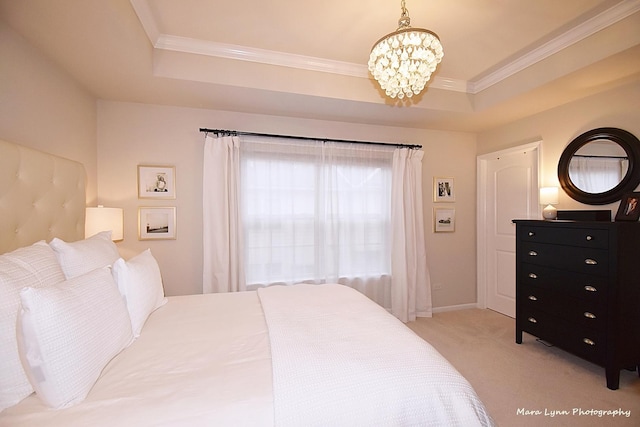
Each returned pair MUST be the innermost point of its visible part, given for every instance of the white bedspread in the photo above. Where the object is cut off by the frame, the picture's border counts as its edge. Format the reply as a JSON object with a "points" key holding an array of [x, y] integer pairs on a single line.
{"points": [[340, 360], [329, 355]]}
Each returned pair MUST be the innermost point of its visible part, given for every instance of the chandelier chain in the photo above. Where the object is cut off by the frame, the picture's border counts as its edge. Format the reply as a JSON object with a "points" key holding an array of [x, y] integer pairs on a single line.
{"points": [[405, 20], [403, 6]]}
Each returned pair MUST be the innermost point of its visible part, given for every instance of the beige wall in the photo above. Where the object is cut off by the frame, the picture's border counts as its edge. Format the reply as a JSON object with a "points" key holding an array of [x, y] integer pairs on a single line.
{"points": [[133, 134], [42, 107], [558, 127]]}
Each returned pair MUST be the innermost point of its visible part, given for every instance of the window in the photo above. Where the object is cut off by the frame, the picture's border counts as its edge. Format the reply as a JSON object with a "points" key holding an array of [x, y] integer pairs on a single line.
{"points": [[315, 213]]}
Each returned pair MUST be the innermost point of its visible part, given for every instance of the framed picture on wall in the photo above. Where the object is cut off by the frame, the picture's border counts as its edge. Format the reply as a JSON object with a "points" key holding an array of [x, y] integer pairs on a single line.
{"points": [[156, 182], [443, 190], [156, 223], [444, 220]]}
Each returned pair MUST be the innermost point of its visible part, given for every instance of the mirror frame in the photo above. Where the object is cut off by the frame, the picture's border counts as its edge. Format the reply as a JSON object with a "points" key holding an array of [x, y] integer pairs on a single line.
{"points": [[630, 181]]}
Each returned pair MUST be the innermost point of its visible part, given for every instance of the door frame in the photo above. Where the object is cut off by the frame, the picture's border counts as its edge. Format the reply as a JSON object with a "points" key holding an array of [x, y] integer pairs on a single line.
{"points": [[481, 209]]}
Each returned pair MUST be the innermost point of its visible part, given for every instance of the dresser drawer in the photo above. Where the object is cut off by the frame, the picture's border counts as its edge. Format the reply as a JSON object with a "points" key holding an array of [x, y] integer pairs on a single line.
{"points": [[585, 342], [538, 298], [588, 313], [539, 323], [578, 285], [578, 259], [583, 237]]}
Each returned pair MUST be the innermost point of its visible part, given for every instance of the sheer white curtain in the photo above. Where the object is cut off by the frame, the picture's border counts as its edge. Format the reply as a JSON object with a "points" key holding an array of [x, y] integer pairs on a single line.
{"points": [[223, 269], [315, 212], [411, 281], [597, 174]]}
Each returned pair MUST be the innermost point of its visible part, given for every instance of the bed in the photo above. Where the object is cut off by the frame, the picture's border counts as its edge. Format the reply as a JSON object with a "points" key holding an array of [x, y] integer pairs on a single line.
{"points": [[99, 344]]}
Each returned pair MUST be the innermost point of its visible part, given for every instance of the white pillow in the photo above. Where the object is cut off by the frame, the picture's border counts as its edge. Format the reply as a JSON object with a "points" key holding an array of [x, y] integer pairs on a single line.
{"points": [[35, 266], [83, 256], [140, 283], [67, 334]]}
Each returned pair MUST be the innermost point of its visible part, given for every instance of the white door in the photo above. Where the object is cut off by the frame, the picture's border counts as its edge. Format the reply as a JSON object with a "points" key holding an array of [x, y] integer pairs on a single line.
{"points": [[507, 190]]}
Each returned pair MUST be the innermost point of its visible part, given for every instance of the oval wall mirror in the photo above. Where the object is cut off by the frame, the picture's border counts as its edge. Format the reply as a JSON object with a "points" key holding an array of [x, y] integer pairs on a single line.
{"points": [[600, 166]]}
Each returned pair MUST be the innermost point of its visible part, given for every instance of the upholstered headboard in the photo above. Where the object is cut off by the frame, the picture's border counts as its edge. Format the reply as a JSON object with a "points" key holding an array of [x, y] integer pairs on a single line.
{"points": [[42, 196]]}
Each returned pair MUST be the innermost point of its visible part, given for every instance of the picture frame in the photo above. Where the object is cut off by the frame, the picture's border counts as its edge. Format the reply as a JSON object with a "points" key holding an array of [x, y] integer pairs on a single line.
{"points": [[629, 209], [156, 182], [157, 223], [443, 190], [444, 220]]}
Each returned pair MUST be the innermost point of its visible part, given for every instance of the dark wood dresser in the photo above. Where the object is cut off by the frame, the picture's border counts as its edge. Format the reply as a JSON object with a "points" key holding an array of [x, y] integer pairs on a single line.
{"points": [[578, 288]]}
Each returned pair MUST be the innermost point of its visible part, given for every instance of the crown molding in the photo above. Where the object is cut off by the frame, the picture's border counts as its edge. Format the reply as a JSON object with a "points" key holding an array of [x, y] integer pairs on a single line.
{"points": [[142, 9], [281, 59], [243, 53], [263, 56], [574, 35]]}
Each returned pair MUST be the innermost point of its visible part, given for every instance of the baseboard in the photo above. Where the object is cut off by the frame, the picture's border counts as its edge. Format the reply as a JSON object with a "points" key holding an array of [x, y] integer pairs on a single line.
{"points": [[455, 307]]}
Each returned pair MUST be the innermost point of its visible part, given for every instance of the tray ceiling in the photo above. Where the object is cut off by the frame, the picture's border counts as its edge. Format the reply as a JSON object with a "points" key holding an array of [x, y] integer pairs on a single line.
{"points": [[503, 60]]}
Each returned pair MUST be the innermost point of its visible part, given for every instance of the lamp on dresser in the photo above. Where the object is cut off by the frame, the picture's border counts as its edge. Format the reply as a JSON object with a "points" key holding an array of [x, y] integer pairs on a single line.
{"points": [[549, 197]]}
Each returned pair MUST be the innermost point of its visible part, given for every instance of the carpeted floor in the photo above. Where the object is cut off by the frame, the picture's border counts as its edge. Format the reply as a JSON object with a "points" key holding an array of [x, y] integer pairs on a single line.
{"points": [[529, 384]]}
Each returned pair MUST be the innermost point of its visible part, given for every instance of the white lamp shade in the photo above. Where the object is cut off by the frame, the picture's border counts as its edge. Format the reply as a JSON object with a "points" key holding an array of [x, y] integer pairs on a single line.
{"points": [[103, 219], [549, 195]]}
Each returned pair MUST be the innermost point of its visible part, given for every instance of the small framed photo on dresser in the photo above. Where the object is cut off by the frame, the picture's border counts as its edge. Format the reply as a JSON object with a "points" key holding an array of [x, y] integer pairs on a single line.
{"points": [[629, 209]]}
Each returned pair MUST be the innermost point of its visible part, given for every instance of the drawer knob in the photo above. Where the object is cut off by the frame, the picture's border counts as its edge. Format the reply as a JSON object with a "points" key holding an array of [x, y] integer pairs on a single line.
{"points": [[589, 238], [532, 320], [533, 253], [533, 298], [590, 261], [588, 341], [533, 275], [590, 288], [589, 315], [531, 234]]}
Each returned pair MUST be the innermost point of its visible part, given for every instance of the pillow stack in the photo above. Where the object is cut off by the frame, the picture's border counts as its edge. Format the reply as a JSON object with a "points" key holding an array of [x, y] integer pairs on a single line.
{"points": [[67, 334], [34, 266], [66, 309]]}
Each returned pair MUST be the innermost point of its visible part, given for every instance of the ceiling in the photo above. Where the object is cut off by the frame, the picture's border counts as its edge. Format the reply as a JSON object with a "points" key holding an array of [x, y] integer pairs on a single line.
{"points": [[504, 59]]}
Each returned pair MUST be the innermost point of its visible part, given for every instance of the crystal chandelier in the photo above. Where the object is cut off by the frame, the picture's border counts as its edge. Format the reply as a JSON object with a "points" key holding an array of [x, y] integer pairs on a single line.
{"points": [[402, 61]]}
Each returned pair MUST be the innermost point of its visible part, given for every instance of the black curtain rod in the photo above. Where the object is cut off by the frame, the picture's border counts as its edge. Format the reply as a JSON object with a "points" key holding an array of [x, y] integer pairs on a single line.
{"points": [[585, 156], [235, 132]]}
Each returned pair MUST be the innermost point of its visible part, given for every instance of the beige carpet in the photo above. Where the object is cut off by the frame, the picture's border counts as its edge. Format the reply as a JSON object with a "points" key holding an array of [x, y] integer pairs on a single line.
{"points": [[552, 386]]}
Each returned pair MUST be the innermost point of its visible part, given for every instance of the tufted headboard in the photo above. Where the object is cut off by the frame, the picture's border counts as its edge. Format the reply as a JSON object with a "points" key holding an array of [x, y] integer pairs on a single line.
{"points": [[42, 196]]}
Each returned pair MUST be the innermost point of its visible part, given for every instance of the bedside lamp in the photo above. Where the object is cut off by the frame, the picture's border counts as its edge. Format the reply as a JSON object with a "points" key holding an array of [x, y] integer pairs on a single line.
{"points": [[104, 219], [549, 197]]}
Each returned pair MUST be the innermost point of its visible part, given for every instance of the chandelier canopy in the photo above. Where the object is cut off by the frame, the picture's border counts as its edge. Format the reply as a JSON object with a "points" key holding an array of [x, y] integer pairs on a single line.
{"points": [[403, 61]]}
